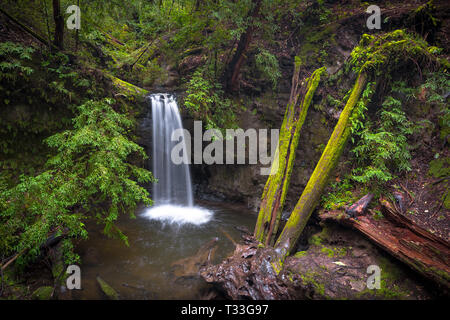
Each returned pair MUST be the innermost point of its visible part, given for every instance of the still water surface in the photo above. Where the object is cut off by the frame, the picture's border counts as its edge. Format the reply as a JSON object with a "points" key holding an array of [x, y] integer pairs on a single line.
{"points": [[145, 269]]}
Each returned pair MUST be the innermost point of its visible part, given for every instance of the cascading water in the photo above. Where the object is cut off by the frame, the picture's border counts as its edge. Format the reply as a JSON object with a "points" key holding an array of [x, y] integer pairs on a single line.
{"points": [[174, 180], [172, 193]]}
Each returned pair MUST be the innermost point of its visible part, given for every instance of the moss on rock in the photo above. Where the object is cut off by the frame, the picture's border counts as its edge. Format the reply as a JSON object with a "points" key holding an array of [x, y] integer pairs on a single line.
{"points": [[43, 293]]}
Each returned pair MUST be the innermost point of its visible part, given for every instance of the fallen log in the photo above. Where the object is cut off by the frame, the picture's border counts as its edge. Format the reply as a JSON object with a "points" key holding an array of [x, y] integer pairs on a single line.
{"points": [[409, 243], [390, 212]]}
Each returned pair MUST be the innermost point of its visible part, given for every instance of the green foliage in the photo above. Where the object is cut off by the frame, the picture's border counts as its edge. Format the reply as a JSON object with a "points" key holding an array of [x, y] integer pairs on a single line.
{"points": [[436, 87], [383, 149], [390, 51], [340, 195], [12, 65], [359, 114], [205, 100], [440, 167], [267, 64], [89, 177]]}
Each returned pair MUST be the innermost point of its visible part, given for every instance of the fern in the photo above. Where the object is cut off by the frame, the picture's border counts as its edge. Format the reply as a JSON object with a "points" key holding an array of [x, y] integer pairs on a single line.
{"points": [[382, 149], [88, 178]]}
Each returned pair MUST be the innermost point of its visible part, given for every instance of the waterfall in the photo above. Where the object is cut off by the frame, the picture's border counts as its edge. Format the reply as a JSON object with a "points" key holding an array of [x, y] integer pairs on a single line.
{"points": [[172, 193], [174, 180]]}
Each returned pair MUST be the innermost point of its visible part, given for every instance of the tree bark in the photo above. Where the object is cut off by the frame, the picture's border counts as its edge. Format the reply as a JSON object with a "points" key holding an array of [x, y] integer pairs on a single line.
{"points": [[421, 250], [232, 71], [59, 25], [277, 184], [317, 182]]}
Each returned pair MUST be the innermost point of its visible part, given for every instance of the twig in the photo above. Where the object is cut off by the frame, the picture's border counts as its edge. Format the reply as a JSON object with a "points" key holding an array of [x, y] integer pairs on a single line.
{"points": [[440, 180], [438, 209], [409, 194], [3, 267]]}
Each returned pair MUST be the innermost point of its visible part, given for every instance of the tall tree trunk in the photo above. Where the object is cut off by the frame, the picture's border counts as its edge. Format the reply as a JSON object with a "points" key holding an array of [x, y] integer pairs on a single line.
{"points": [[317, 182], [277, 184], [77, 32], [232, 70], [59, 25]]}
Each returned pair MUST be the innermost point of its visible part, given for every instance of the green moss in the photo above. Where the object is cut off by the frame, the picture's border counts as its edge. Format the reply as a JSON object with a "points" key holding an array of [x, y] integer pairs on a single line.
{"points": [[315, 44], [43, 293], [315, 240], [444, 275], [318, 180], [391, 277], [439, 167], [300, 254], [127, 89], [277, 184], [386, 52], [447, 201], [309, 278], [328, 251], [334, 252]]}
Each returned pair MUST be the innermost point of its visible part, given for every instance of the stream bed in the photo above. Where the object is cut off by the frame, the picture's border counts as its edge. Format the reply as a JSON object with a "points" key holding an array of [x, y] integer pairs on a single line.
{"points": [[147, 268]]}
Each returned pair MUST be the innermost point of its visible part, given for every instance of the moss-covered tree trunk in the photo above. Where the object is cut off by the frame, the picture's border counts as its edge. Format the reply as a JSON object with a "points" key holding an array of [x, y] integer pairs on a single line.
{"points": [[317, 182], [278, 182]]}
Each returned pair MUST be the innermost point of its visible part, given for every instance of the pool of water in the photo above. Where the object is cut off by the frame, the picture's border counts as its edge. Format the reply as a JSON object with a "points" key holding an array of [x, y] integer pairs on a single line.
{"points": [[150, 267]]}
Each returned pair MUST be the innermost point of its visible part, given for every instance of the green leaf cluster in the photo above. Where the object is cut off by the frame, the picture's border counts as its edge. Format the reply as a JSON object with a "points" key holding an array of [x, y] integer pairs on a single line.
{"points": [[267, 64], [382, 149], [89, 177], [206, 101]]}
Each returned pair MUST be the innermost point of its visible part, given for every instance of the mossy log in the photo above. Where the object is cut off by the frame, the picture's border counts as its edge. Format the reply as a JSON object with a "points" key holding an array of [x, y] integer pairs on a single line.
{"points": [[403, 239], [277, 184], [317, 182], [127, 89]]}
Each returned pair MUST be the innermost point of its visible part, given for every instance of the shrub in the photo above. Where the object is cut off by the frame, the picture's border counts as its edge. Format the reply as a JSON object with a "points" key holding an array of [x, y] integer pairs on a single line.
{"points": [[88, 178]]}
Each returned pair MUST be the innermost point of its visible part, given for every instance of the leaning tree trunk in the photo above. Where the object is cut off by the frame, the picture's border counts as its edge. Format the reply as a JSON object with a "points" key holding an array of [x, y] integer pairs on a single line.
{"points": [[317, 182], [232, 70], [59, 25], [277, 184]]}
